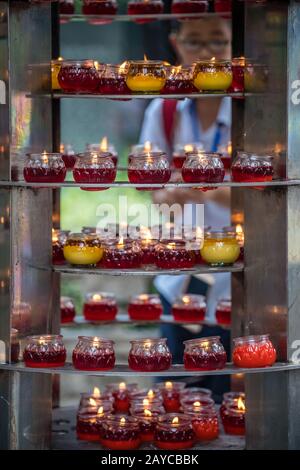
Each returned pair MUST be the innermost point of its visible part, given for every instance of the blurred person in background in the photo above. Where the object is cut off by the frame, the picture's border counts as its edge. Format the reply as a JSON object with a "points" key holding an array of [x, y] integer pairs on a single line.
{"points": [[206, 120]]}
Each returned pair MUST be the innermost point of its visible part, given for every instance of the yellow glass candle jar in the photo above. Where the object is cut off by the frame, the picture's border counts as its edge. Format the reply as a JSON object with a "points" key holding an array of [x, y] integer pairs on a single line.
{"points": [[220, 248], [212, 75], [55, 68], [146, 76], [81, 249]]}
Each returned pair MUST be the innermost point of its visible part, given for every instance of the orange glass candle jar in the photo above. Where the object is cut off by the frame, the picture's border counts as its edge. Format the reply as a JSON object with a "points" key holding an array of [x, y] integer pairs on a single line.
{"points": [[189, 308], [100, 306], [205, 424], [59, 238], [203, 167], [174, 432], [151, 167], [173, 254], [220, 248], [145, 7], [44, 168], [182, 151], [212, 75], [120, 433], [146, 76], [171, 395], [95, 167], [44, 351], [253, 351], [248, 167], [93, 353], [83, 250], [147, 420], [121, 395], [149, 355], [234, 418], [79, 76], [204, 354], [121, 254], [67, 310], [223, 312], [145, 307]]}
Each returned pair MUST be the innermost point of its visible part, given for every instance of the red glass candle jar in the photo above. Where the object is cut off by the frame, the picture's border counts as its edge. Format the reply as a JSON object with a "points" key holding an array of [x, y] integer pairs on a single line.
{"points": [[14, 345], [121, 395], [95, 399], [148, 246], [140, 149], [100, 306], [223, 6], [113, 79], [145, 307], [174, 432], [225, 152], [238, 72], [83, 250], [231, 398], [44, 168], [59, 238], [205, 424], [104, 147], [68, 156], [212, 75], [99, 7], [79, 76], [93, 353], [234, 418], [189, 6], [253, 351], [189, 307], [44, 351], [179, 81], [94, 167], [171, 395], [139, 405], [149, 168], [252, 168], [147, 420], [121, 254], [66, 7], [195, 402], [149, 355], [120, 433], [67, 310], [145, 7], [89, 425], [181, 151], [173, 254], [204, 354], [146, 397], [223, 312], [203, 168]]}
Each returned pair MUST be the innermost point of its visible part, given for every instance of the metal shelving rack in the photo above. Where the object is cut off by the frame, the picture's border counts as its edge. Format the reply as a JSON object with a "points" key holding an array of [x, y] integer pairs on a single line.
{"points": [[265, 290]]}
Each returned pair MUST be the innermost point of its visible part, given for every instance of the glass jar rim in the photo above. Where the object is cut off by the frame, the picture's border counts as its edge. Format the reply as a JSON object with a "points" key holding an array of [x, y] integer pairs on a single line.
{"points": [[251, 339], [115, 386], [163, 386], [253, 156], [220, 234], [117, 418], [151, 63], [87, 395], [47, 337], [224, 301], [199, 153], [198, 298], [150, 154], [84, 415], [149, 340], [167, 241], [166, 419], [82, 236], [209, 339], [233, 395], [212, 62], [208, 401], [95, 339], [94, 153], [69, 62], [147, 297], [38, 156], [139, 412], [103, 294]]}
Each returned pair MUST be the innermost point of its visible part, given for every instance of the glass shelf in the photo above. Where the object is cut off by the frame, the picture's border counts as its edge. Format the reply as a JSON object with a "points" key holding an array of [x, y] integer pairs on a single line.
{"points": [[128, 18], [126, 184], [143, 96], [147, 271], [176, 370]]}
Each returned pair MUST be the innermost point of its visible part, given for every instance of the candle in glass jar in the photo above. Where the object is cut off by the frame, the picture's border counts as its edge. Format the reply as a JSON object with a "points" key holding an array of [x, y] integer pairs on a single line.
{"points": [[99, 7], [67, 310], [173, 254], [94, 399], [59, 238], [147, 420], [104, 147], [204, 354], [223, 312], [205, 424], [253, 351], [189, 308], [95, 167], [121, 254], [171, 395], [93, 353], [179, 81], [202, 167], [100, 306], [230, 398], [189, 6], [234, 418], [44, 167], [149, 355], [83, 250], [248, 167], [174, 432], [151, 167], [68, 156], [238, 72], [144, 7], [147, 76], [147, 246], [113, 79], [44, 351], [145, 307], [181, 151], [79, 76], [212, 75], [120, 433], [88, 425], [121, 394]]}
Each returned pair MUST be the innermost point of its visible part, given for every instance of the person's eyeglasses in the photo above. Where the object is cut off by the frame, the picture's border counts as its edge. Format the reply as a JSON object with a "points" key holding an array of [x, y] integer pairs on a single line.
{"points": [[193, 45]]}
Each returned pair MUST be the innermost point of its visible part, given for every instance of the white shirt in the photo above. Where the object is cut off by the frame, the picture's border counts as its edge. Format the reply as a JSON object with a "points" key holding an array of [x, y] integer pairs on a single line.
{"points": [[215, 215]]}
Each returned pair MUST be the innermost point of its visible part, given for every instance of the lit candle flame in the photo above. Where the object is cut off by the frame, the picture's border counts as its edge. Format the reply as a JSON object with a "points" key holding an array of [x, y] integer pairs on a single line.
{"points": [[94, 158], [122, 386], [92, 402], [186, 299], [121, 243], [277, 148], [196, 404], [60, 59], [96, 297], [104, 144], [188, 148], [44, 157], [213, 59], [175, 420], [146, 402], [148, 344], [171, 246], [54, 236], [240, 234], [169, 385], [122, 421], [96, 392], [145, 58], [42, 341], [61, 148], [122, 68], [96, 64], [144, 297], [229, 148], [147, 413], [100, 411], [241, 405], [147, 146], [150, 394]]}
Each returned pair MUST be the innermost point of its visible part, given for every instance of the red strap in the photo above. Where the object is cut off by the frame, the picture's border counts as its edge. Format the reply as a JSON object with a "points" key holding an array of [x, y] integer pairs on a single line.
{"points": [[169, 114]]}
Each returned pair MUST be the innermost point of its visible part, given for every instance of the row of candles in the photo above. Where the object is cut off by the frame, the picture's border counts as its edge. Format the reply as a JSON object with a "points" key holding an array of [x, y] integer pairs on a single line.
{"points": [[142, 7], [158, 77], [153, 167], [219, 248], [170, 415], [102, 306], [93, 353]]}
